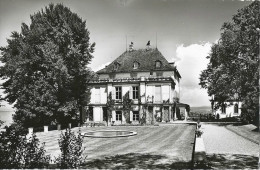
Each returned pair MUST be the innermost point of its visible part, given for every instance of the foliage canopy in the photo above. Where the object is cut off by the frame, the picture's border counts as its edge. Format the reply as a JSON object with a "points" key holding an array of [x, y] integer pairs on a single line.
{"points": [[233, 62], [45, 67]]}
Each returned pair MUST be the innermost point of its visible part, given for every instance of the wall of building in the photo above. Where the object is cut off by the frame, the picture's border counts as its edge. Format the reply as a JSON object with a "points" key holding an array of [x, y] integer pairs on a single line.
{"points": [[141, 74], [98, 95], [167, 91], [229, 110]]}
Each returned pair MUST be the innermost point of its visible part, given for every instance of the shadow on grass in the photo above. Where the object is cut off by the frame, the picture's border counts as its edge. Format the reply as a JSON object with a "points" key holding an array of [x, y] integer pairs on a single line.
{"points": [[137, 161], [230, 161]]}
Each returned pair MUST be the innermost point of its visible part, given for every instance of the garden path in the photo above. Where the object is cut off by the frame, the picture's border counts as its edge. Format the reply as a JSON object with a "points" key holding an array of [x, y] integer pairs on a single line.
{"points": [[218, 139], [227, 150]]}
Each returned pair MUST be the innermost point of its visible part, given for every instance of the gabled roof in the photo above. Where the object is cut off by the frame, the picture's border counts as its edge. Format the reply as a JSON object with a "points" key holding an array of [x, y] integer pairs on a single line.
{"points": [[146, 58]]}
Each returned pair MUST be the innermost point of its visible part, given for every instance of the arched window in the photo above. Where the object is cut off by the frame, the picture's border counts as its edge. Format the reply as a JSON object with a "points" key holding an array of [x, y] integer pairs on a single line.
{"points": [[236, 108], [136, 65], [116, 66], [158, 64], [223, 109]]}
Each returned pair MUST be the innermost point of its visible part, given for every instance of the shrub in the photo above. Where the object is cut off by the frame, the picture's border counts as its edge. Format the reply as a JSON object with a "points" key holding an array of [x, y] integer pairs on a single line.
{"points": [[198, 133], [35, 154], [18, 152], [71, 150]]}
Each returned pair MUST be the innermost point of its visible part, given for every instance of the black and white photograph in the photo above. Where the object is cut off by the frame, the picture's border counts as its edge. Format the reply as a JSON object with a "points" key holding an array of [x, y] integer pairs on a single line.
{"points": [[129, 84]]}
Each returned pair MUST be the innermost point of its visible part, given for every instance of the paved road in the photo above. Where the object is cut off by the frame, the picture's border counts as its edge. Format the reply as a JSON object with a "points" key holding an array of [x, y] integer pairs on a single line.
{"points": [[219, 140]]}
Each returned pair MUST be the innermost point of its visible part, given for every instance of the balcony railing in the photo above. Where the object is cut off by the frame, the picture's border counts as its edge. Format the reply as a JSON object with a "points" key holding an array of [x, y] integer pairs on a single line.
{"points": [[152, 79]]}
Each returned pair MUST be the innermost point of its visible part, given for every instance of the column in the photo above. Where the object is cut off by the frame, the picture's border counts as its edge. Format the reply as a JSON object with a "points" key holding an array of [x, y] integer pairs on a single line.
{"points": [[186, 115], [175, 114], [153, 117], [87, 113], [162, 114], [131, 116], [170, 114], [142, 92], [113, 115], [101, 114]]}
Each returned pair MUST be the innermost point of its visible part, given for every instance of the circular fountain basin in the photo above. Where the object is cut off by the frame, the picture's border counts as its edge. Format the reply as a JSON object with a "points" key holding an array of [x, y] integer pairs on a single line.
{"points": [[109, 133]]}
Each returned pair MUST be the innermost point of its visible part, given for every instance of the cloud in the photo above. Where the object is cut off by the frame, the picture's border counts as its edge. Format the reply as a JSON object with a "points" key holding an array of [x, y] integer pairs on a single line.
{"points": [[192, 60], [101, 66]]}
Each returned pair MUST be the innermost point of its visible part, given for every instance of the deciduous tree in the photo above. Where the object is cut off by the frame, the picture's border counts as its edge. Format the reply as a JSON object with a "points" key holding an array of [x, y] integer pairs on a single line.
{"points": [[45, 67], [234, 61]]}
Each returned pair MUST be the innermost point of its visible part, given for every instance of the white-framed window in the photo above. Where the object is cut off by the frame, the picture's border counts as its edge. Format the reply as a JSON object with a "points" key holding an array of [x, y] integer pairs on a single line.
{"points": [[236, 108], [135, 92], [135, 116], [118, 93], [158, 64], [116, 66], [118, 116], [97, 95], [136, 65]]}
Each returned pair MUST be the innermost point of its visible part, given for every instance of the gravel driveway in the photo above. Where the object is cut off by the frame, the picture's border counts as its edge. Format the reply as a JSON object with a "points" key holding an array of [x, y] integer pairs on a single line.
{"points": [[219, 140]]}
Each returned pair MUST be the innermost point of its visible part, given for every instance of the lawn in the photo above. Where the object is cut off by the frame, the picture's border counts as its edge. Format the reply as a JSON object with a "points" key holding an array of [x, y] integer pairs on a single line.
{"points": [[153, 147], [249, 132]]}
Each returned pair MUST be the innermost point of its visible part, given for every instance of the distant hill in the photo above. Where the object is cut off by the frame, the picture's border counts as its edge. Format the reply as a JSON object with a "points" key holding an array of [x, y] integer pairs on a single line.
{"points": [[201, 109], [5, 109]]}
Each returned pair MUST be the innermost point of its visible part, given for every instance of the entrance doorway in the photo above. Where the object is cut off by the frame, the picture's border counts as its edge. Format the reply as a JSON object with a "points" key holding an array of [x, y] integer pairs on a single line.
{"points": [[105, 115]]}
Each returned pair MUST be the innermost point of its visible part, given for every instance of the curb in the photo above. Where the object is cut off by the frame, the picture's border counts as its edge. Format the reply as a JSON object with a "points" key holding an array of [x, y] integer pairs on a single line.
{"points": [[200, 151], [251, 140]]}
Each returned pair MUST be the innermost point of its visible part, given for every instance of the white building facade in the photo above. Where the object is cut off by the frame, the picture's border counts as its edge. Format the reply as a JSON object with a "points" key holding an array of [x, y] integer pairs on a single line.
{"points": [[147, 78], [229, 109]]}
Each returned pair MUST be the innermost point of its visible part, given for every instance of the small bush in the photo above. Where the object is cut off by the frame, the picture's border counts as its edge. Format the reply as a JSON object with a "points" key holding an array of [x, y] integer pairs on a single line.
{"points": [[71, 150], [18, 152], [198, 133]]}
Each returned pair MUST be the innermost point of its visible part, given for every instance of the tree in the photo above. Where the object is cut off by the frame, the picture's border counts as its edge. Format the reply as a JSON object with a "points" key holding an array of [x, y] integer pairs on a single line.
{"points": [[110, 106], [127, 103], [45, 67], [233, 62]]}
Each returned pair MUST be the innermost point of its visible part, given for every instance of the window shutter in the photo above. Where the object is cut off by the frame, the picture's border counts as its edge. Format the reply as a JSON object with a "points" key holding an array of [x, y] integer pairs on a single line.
{"points": [[113, 93], [131, 92]]}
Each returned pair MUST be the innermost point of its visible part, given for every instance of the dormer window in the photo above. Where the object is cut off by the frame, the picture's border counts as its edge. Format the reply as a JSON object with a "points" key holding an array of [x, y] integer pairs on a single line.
{"points": [[116, 66], [158, 64], [136, 65]]}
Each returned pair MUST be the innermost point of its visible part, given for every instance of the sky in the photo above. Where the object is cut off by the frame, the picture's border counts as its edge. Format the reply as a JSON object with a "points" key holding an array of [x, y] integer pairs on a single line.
{"points": [[185, 29]]}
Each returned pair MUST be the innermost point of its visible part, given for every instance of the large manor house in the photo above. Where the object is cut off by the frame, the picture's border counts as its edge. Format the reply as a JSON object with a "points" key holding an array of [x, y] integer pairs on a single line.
{"points": [[145, 79]]}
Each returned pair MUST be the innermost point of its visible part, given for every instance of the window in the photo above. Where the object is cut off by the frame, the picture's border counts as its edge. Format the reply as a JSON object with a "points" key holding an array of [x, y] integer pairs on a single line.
{"points": [[136, 65], [158, 64], [90, 113], [157, 93], [105, 116], [116, 66], [236, 108], [135, 116], [223, 109], [118, 93], [118, 116], [135, 92]]}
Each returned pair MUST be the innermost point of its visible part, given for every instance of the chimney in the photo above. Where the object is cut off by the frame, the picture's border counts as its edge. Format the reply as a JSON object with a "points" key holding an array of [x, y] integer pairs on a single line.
{"points": [[131, 46], [148, 45]]}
